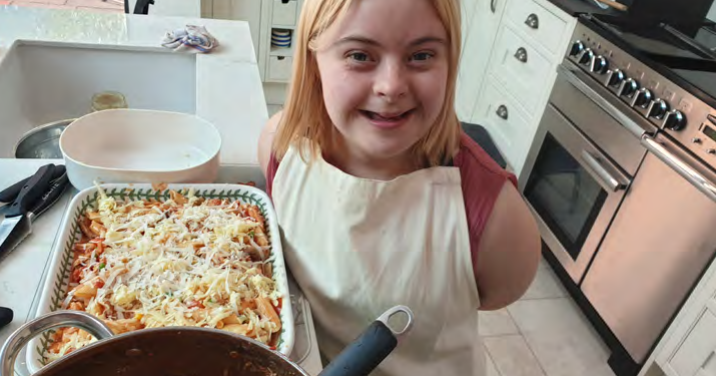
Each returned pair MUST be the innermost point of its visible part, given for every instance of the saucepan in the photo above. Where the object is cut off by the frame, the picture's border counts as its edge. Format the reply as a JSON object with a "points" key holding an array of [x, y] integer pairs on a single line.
{"points": [[190, 351]]}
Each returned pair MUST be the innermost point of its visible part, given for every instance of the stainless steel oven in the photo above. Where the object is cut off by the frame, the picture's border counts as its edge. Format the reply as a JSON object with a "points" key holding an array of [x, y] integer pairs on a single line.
{"points": [[581, 162], [622, 180]]}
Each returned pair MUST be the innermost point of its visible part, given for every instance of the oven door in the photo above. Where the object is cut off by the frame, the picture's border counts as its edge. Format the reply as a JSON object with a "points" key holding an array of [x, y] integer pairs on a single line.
{"points": [[574, 190]]}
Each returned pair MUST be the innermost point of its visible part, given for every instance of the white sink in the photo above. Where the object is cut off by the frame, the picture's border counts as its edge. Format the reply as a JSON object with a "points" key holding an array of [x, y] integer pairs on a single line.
{"points": [[41, 82]]}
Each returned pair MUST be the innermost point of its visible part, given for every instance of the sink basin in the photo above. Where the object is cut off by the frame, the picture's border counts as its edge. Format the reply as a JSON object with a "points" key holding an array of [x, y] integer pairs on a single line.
{"points": [[42, 82]]}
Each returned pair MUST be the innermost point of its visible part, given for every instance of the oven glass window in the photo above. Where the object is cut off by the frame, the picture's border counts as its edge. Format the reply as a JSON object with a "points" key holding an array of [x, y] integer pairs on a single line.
{"points": [[564, 195]]}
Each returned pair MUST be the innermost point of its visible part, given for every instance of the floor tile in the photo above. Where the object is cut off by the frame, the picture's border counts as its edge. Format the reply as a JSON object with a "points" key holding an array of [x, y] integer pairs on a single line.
{"points": [[545, 285], [512, 356], [543, 263], [491, 369], [561, 338], [496, 323]]}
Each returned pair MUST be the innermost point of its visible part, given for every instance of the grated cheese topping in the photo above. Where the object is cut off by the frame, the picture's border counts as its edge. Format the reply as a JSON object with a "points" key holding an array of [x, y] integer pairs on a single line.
{"points": [[186, 261]]}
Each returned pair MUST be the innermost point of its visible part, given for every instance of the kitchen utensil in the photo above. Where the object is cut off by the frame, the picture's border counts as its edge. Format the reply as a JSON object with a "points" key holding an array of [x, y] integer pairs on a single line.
{"points": [[34, 197], [192, 350], [42, 142], [8, 195], [140, 146], [5, 316], [62, 257], [605, 4]]}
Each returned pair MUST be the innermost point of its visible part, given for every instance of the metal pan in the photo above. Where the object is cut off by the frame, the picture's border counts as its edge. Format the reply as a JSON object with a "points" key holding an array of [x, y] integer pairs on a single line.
{"points": [[192, 351]]}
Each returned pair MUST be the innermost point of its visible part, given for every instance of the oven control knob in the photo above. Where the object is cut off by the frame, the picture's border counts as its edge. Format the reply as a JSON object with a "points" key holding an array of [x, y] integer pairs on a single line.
{"points": [[599, 65], [674, 120], [658, 109], [642, 98], [629, 87], [577, 48], [616, 77], [586, 57]]}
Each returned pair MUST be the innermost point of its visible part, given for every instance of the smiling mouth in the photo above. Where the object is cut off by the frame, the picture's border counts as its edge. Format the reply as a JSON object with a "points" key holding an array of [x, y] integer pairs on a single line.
{"points": [[386, 117]]}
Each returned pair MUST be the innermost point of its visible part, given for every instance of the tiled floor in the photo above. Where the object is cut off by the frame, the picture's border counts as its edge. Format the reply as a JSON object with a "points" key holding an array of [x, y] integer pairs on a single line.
{"points": [[88, 5], [543, 334]]}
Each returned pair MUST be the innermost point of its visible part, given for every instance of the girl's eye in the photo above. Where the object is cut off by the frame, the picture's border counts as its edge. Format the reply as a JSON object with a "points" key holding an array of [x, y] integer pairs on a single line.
{"points": [[422, 56], [359, 56]]}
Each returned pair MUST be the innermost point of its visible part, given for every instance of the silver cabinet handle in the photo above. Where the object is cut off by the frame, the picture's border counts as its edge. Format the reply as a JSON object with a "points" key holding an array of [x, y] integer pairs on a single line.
{"points": [[532, 21], [493, 6], [699, 181], [605, 179], [25, 333], [502, 112], [521, 54]]}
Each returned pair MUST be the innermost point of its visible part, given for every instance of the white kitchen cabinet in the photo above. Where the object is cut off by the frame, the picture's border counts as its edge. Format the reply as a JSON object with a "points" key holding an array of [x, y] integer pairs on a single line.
{"points": [[688, 348], [506, 122], [544, 27], [520, 68], [244, 10], [530, 40], [481, 19]]}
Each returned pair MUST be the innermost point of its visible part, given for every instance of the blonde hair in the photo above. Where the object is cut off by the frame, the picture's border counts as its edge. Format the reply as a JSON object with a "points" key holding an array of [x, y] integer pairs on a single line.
{"points": [[305, 116]]}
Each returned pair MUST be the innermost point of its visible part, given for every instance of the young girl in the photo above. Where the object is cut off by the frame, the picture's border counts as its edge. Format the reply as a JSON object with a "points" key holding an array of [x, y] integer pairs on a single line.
{"points": [[382, 200]]}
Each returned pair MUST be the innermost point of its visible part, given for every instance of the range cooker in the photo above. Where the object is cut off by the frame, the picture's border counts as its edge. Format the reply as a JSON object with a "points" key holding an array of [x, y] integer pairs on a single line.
{"points": [[622, 176]]}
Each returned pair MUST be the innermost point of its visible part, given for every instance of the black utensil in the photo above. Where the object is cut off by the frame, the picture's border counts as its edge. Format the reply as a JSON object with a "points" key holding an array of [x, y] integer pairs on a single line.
{"points": [[9, 194], [5, 316]]}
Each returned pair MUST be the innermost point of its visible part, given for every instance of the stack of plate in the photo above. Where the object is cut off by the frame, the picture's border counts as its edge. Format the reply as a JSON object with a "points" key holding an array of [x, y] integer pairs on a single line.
{"points": [[280, 38]]}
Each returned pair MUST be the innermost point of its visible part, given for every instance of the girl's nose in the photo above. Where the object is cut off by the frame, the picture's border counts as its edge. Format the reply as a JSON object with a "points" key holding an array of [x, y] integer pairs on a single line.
{"points": [[391, 82]]}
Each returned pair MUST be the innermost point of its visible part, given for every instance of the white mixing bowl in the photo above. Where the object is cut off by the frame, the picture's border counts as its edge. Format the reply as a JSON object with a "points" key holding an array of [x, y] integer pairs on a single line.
{"points": [[140, 146]]}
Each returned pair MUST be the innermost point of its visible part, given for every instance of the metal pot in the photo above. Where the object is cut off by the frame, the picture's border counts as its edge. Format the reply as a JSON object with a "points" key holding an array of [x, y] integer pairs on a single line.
{"points": [[191, 351], [42, 142]]}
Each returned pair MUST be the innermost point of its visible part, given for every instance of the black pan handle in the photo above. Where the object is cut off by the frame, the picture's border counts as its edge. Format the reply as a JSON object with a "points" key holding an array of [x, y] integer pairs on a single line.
{"points": [[32, 191], [364, 354], [57, 187], [9, 194], [5, 316]]}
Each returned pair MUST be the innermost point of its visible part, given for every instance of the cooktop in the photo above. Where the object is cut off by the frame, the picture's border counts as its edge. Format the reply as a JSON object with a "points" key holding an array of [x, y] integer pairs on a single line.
{"points": [[689, 60]]}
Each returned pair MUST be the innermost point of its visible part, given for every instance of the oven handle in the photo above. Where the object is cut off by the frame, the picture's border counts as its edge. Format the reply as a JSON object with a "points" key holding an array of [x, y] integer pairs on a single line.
{"points": [[602, 102], [692, 176], [606, 179]]}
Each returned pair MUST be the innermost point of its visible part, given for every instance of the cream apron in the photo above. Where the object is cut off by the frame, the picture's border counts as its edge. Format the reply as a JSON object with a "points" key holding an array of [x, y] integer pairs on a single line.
{"points": [[358, 247]]}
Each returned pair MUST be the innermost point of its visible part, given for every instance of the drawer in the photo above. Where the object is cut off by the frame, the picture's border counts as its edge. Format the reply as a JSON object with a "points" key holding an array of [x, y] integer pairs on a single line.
{"points": [[507, 124], [284, 12], [541, 25], [698, 351], [522, 69], [279, 68]]}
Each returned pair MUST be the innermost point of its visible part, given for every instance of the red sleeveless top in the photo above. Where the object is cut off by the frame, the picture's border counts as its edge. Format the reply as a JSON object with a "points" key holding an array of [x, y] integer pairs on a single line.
{"points": [[482, 180]]}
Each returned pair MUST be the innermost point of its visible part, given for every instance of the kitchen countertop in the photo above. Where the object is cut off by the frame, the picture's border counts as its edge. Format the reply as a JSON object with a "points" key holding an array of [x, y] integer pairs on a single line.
{"points": [[23, 271], [577, 7], [229, 92]]}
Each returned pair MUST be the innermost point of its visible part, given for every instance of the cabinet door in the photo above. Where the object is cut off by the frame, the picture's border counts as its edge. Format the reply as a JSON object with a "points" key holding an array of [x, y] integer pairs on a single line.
{"points": [[241, 10], [521, 68], [696, 354], [477, 45], [673, 354], [508, 126]]}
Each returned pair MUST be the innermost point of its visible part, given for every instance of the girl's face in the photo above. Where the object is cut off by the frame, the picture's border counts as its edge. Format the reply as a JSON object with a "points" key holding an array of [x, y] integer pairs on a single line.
{"points": [[384, 73]]}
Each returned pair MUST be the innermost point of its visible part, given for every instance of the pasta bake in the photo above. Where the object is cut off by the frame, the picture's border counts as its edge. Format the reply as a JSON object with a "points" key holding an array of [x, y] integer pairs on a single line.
{"points": [[186, 261]]}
